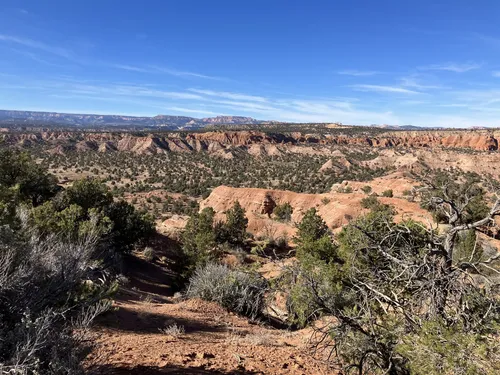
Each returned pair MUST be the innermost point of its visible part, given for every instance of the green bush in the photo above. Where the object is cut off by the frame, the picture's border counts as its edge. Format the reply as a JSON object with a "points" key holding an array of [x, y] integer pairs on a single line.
{"points": [[30, 181], [462, 188], [237, 291], [437, 349], [88, 203], [51, 289], [312, 227], [234, 229], [283, 212], [362, 283], [325, 200], [367, 189], [369, 202], [199, 240], [387, 193], [22, 180]]}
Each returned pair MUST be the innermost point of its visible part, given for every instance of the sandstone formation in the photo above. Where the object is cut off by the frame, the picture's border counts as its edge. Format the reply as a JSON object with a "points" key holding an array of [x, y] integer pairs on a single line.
{"points": [[399, 182], [335, 208], [257, 143]]}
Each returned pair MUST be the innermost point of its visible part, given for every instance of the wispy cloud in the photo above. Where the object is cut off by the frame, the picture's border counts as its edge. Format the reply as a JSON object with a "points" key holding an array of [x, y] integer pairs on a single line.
{"points": [[131, 68], [180, 73], [492, 41], [230, 95], [415, 84], [358, 73], [194, 111], [382, 88], [56, 50], [496, 74], [453, 105], [36, 58], [208, 102], [154, 69], [453, 67], [413, 102]]}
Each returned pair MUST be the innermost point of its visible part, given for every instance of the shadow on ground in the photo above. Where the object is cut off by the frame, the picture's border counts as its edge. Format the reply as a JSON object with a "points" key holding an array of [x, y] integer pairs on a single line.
{"points": [[144, 370], [124, 319], [158, 278]]}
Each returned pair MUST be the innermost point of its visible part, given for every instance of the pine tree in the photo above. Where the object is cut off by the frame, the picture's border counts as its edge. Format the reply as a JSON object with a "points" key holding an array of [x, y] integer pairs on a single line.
{"points": [[235, 228], [311, 228]]}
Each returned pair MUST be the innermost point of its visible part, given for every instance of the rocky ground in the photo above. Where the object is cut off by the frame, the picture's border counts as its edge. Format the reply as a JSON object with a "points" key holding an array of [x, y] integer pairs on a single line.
{"points": [[149, 331]]}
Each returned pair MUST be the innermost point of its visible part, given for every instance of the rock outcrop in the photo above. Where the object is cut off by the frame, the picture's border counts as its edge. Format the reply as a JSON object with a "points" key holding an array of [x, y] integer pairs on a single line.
{"points": [[254, 142], [335, 208]]}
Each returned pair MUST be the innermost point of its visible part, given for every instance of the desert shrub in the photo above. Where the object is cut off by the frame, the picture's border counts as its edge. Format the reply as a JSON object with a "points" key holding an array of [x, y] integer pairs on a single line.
{"points": [[309, 286], [367, 189], [149, 254], [464, 190], [437, 349], [30, 181], [204, 239], [173, 330], [345, 190], [325, 200], [374, 205], [387, 193], [22, 181], [467, 247], [238, 291], [369, 202], [315, 249], [311, 227], [51, 290], [129, 226], [88, 193], [313, 237], [282, 241], [71, 222], [88, 203], [283, 212]]}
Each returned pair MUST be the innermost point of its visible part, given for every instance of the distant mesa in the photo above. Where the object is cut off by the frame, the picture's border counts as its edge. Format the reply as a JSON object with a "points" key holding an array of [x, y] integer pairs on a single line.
{"points": [[86, 120], [19, 118]]}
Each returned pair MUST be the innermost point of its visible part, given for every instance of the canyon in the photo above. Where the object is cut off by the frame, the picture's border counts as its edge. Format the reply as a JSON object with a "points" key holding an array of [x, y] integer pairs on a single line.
{"points": [[173, 175], [215, 140]]}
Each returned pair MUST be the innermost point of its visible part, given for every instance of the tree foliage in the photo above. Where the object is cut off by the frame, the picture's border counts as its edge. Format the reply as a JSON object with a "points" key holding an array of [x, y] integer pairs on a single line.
{"points": [[88, 203], [199, 239], [235, 226], [203, 237], [51, 289], [283, 212], [30, 181], [407, 299], [311, 228]]}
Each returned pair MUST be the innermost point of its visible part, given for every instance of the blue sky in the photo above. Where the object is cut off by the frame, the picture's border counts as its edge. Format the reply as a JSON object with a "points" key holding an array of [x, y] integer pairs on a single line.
{"points": [[430, 63]]}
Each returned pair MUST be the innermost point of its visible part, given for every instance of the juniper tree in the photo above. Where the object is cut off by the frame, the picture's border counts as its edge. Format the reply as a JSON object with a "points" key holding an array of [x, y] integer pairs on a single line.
{"points": [[403, 303]]}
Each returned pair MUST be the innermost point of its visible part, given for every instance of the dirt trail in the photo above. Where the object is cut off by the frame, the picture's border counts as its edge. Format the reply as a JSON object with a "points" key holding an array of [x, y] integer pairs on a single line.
{"points": [[135, 338]]}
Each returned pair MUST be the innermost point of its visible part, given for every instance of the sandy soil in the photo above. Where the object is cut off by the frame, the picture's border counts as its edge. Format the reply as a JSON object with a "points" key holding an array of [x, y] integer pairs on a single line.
{"points": [[134, 338]]}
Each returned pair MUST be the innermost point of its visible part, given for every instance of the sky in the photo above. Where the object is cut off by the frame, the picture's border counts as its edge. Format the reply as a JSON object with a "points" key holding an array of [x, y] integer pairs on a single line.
{"points": [[426, 63]]}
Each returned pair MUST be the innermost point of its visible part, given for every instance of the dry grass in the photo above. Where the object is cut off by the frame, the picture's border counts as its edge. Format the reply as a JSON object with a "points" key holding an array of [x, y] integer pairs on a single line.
{"points": [[173, 330]]}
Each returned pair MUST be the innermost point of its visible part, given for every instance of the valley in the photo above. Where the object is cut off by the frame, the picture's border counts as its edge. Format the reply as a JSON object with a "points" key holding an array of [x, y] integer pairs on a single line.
{"points": [[343, 175]]}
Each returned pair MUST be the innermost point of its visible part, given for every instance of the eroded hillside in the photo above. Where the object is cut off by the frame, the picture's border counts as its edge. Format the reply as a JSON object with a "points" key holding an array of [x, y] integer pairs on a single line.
{"points": [[214, 141], [189, 182]]}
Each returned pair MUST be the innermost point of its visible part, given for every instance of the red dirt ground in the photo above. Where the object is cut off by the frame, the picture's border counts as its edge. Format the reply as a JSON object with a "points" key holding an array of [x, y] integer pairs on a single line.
{"points": [[131, 341]]}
